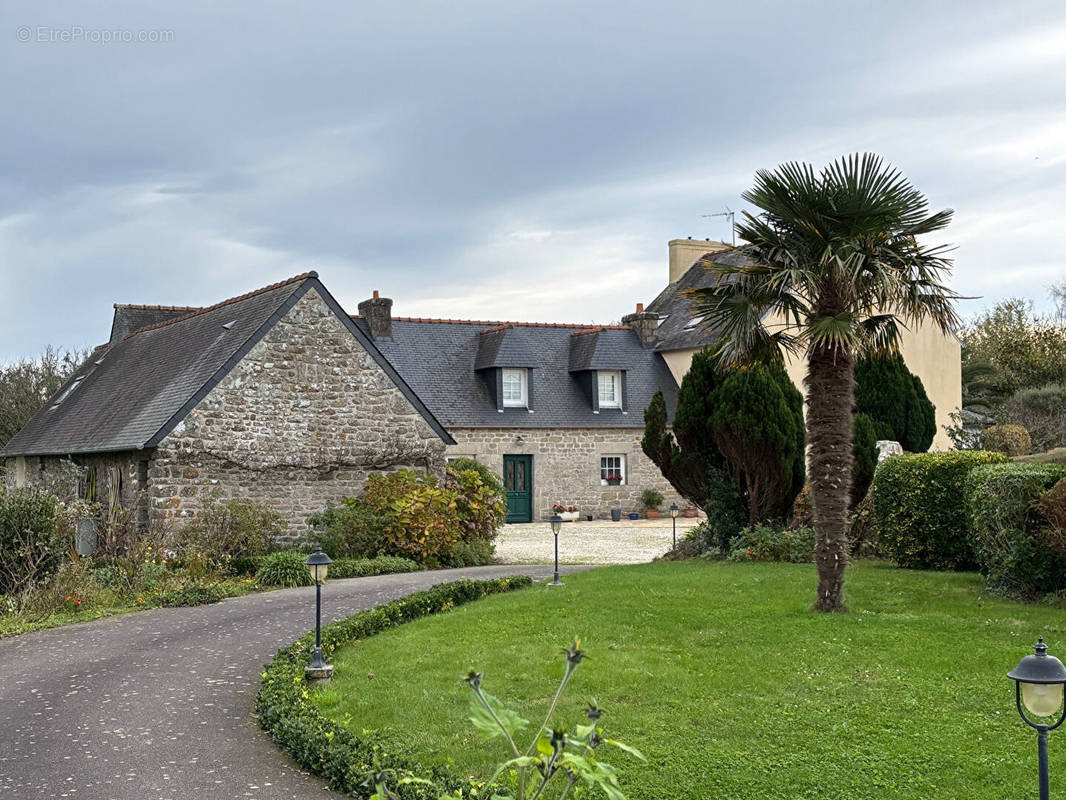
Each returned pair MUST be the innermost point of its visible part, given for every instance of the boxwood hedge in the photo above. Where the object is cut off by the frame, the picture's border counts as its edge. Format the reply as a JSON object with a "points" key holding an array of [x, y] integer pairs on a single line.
{"points": [[350, 760], [1009, 533], [921, 515]]}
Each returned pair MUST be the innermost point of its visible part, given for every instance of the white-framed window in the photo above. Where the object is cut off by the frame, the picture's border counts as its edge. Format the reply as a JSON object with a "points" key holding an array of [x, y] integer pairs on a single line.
{"points": [[612, 466], [610, 388], [515, 388]]}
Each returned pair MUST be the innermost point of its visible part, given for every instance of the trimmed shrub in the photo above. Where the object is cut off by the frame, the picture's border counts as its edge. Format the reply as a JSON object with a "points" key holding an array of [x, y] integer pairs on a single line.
{"points": [[864, 454], [1011, 440], [351, 758], [225, 529], [35, 538], [919, 501], [366, 567], [1012, 538], [287, 568], [895, 398], [770, 543]]}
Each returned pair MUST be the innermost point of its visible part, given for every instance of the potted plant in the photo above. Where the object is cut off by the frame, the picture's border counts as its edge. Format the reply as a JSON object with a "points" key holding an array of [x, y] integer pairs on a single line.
{"points": [[614, 478], [566, 513], [651, 500], [689, 511]]}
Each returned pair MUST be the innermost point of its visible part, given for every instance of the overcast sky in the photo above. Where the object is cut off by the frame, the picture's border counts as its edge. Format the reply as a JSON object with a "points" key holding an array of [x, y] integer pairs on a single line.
{"points": [[500, 160]]}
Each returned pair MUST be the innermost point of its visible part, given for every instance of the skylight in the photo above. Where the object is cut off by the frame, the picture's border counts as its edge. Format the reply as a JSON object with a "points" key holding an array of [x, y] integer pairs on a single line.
{"points": [[695, 322], [67, 391]]}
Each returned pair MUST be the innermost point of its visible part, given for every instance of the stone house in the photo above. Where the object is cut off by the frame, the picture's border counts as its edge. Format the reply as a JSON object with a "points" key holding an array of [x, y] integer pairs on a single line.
{"points": [[556, 409], [275, 395]]}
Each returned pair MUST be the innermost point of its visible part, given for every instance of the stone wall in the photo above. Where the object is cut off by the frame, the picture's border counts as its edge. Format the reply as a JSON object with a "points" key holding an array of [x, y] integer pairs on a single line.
{"points": [[566, 465], [304, 418]]}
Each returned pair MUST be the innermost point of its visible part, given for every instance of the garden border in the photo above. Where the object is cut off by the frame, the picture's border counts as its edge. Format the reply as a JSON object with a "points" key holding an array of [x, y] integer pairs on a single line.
{"points": [[350, 762]]}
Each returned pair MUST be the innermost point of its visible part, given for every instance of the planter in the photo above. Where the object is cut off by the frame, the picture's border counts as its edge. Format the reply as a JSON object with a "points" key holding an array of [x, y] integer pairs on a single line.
{"points": [[614, 483], [616, 514], [569, 516], [689, 512], [634, 515], [651, 513], [588, 517]]}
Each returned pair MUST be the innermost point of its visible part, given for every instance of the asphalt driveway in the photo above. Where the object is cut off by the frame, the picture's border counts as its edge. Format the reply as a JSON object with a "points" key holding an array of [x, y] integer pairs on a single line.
{"points": [[158, 704]]}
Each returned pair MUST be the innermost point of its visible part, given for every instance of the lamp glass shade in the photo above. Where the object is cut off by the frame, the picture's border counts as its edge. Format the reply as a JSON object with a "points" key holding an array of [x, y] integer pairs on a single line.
{"points": [[1042, 699], [556, 523], [673, 509]]}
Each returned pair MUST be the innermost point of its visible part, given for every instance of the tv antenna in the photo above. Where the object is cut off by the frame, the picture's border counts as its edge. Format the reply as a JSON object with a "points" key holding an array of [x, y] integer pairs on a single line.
{"points": [[732, 221]]}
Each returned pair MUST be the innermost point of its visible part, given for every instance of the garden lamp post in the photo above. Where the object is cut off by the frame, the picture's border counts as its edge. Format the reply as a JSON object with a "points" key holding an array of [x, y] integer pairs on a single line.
{"points": [[318, 564], [673, 518], [1038, 690], [556, 523]]}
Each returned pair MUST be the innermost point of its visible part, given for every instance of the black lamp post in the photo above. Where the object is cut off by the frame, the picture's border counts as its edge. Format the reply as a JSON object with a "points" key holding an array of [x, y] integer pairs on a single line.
{"points": [[556, 523], [673, 518], [318, 563], [1038, 689]]}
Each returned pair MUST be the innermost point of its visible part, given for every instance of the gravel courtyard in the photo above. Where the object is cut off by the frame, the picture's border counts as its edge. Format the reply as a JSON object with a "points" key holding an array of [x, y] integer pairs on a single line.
{"points": [[597, 542]]}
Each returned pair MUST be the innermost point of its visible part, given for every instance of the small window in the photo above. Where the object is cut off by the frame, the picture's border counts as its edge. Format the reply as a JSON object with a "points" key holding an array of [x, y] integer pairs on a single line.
{"points": [[612, 468], [610, 389], [515, 388], [695, 322]]}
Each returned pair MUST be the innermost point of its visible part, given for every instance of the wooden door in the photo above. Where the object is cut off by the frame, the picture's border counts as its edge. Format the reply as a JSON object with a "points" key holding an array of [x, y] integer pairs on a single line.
{"points": [[518, 481]]}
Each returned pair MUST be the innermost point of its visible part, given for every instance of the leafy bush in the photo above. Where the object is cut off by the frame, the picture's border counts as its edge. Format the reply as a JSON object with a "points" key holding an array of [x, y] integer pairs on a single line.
{"points": [[650, 498], [225, 529], [350, 530], [352, 758], [772, 543], [197, 592], [1012, 440], [488, 477], [1012, 542], [35, 537], [1040, 411], [423, 522], [894, 398], [285, 568], [1053, 506], [366, 567], [920, 508]]}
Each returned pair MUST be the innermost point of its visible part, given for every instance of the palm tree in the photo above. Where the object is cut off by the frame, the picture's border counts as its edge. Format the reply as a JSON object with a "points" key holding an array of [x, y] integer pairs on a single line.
{"points": [[836, 270]]}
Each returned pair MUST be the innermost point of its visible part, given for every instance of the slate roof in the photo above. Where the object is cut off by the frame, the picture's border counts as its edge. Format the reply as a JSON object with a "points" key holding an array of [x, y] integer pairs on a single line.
{"points": [[130, 393], [439, 358], [674, 331]]}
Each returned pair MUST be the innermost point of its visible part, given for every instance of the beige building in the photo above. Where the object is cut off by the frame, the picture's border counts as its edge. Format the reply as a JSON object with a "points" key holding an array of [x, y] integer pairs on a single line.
{"points": [[928, 353]]}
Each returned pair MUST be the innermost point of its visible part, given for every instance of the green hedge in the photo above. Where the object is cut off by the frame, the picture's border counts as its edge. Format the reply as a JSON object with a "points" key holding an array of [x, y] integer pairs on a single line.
{"points": [[341, 568], [920, 508], [347, 759], [1008, 531]]}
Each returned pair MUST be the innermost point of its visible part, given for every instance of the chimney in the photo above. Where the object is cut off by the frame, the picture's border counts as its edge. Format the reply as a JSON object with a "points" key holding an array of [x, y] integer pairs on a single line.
{"points": [[644, 323], [686, 252], [377, 311]]}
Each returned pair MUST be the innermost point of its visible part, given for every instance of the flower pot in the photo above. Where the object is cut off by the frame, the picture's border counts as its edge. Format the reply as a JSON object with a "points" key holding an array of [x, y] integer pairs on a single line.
{"points": [[634, 515], [569, 516], [588, 517], [651, 513], [689, 512], [616, 514], [613, 482]]}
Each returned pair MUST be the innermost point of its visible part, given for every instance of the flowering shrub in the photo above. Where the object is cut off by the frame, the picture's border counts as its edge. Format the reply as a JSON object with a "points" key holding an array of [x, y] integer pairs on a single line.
{"points": [[35, 536], [558, 509], [351, 759], [770, 543]]}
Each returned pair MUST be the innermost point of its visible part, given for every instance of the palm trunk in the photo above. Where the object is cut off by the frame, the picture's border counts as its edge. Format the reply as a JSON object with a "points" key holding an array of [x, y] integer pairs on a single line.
{"points": [[830, 397]]}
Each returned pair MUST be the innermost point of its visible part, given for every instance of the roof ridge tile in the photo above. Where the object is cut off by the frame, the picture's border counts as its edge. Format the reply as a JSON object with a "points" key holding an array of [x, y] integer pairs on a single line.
{"points": [[500, 324], [230, 301]]}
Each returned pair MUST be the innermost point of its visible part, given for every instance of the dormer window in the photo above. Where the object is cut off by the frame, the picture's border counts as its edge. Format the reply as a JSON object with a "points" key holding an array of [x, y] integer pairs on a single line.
{"points": [[515, 388], [610, 388]]}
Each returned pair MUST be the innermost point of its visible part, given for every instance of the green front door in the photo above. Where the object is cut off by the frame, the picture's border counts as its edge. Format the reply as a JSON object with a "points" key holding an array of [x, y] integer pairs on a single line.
{"points": [[518, 480]]}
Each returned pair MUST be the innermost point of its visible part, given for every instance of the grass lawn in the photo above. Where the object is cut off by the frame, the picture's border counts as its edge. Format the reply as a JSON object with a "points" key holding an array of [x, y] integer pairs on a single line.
{"points": [[727, 681]]}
